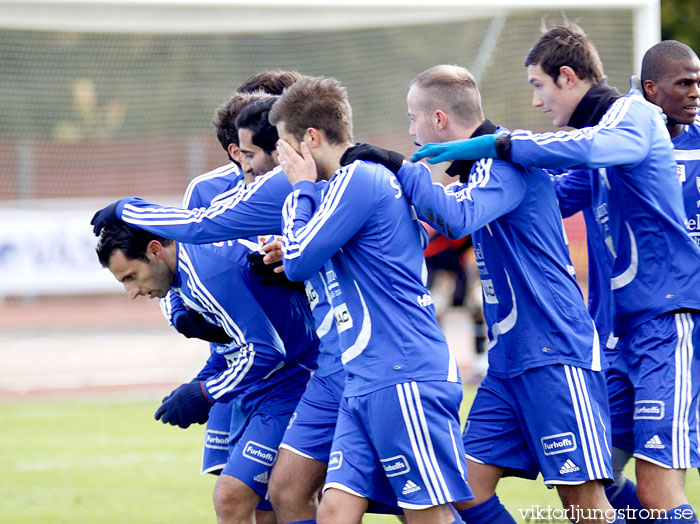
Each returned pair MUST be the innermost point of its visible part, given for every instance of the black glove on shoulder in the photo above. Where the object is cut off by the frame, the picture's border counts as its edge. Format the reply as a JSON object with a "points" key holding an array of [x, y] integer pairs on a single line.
{"points": [[193, 325], [386, 157]]}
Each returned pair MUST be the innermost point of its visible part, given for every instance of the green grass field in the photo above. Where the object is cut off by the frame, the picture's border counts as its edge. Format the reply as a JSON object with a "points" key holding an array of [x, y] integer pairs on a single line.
{"points": [[107, 461]]}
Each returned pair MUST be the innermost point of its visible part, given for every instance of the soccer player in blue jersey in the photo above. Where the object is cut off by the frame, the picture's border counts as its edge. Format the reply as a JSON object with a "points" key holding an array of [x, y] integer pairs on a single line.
{"points": [[671, 79], [270, 357], [543, 346], [655, 283], [204, 191], [397, 434]]}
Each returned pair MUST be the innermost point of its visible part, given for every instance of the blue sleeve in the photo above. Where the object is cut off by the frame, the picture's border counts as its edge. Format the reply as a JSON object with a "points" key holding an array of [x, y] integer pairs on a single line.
{"points": [[246, 213], [622, 138], [494, 189], [573, 191], [312, 235], [171, 306], [218, 283], [215, 364]]}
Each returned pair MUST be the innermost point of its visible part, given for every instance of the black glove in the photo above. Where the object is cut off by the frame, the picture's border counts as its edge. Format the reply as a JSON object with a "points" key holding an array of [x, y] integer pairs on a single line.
{"points": [[106, 215], [193, 325], [267, 274], [386, 157], [186, 405]]}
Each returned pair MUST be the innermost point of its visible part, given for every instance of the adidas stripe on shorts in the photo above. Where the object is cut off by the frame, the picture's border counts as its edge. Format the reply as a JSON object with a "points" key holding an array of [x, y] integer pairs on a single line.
{"points": [[401, 445], [663, 362], [551, 419]]}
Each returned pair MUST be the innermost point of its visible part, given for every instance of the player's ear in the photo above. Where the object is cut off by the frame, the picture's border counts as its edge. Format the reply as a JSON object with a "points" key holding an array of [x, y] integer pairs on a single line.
{"points": [[650, 89], [275, 157], [154, 250], [440, 118], [312, 137], [568, 76], [234, 152]]}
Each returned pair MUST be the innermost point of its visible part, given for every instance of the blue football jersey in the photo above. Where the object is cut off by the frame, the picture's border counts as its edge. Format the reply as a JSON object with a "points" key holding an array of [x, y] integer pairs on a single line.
{"points": [[203, 191], [655, 260], [209, 188], [271, 327], [687, 152], [383, 311], [574, 193], [533, 306]]}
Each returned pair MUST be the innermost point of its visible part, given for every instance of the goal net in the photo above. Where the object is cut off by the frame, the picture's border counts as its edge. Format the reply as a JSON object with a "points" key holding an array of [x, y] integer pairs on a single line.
{"points": [[104, 99]]}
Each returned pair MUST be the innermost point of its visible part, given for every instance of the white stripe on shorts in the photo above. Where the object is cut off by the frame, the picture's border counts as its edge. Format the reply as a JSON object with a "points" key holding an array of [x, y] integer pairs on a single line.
{"points": [[421, 443], [683, 392], [588, 434]]}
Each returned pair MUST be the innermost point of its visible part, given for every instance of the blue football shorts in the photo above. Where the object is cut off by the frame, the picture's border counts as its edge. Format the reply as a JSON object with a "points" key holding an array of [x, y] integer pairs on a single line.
{"points": [[216, 438], [663, 361], [621, 400], [311, 428], [551, 419], [253, 453], [401, 445]]}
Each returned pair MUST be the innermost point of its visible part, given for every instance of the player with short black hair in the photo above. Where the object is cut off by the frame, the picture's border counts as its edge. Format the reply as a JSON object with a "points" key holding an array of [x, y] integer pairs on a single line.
{"points": [[257, 138], [272, 351]]}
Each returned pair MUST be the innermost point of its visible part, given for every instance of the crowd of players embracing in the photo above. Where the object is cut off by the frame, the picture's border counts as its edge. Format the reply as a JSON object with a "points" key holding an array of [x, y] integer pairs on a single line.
{"points": [[330, 390]]}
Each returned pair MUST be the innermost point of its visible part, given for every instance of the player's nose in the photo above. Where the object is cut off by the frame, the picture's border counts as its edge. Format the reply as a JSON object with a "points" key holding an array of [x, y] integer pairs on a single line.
{"points": [[132, 290], [536, 100]]}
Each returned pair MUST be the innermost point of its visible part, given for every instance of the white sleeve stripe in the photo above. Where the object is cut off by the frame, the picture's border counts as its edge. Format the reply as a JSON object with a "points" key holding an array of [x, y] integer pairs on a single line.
{"points": [[234, 375], [208, 300], [330, 202], [175, 216], [611, 119], [231, 384], [216, 173]]}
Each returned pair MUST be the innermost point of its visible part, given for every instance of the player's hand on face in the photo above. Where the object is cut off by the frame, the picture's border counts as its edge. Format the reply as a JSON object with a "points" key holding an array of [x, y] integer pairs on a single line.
{"points": [[483, 146], [297, 167]]}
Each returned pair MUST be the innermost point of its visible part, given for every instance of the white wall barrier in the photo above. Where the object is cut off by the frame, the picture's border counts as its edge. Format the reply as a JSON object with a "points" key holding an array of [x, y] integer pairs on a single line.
{"points": [[48, 248]]}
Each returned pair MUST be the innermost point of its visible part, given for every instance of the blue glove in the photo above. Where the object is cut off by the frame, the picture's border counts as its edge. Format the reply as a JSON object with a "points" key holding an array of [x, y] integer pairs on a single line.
{"points": [[106, 215], [483, 146], [186, 405]]}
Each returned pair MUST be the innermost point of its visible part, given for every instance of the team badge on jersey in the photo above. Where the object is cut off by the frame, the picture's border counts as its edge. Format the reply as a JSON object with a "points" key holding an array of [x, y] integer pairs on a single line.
{"points": [[343, 320]]}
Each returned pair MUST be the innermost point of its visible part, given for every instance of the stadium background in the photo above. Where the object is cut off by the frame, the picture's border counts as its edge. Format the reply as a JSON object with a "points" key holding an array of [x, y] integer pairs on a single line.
{"points": [[96, 105]]}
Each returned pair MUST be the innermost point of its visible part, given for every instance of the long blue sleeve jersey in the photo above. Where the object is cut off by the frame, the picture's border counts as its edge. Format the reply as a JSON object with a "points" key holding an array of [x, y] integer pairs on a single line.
{"points": [[273, 339], [533, 306], [656, 261], [574, 192], [687, 152], [238, 212], [204, 191], [384, 315], [256, 210]]}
